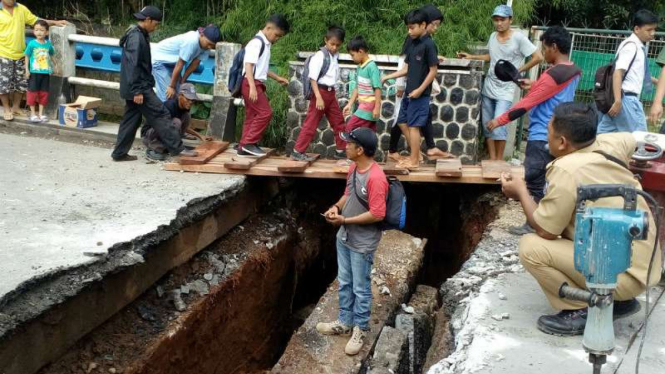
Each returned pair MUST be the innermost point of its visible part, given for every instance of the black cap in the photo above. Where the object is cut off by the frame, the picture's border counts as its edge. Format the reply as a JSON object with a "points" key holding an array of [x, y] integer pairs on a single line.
{"points": [[507, 72], [150, 11], [362, 136], [212, 33]]}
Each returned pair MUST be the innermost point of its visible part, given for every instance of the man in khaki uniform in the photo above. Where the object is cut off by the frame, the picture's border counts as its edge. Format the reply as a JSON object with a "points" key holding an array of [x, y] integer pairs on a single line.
{"points": [[549, 253]]}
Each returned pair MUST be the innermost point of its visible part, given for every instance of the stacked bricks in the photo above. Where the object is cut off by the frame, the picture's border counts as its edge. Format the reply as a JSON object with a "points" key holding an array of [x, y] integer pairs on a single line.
{"points": [[455, 111]]}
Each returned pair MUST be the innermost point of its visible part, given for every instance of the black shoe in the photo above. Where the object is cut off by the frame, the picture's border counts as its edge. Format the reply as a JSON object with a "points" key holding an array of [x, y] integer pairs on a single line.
{"points": [[297, 156], [521, 230], [340, 155], [253, 150], [564, 323], [125, 158], [626, 308], [154, 155]]}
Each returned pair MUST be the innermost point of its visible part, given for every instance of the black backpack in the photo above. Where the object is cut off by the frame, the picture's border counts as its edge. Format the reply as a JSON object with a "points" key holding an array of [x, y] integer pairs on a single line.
{"points": [[235, 73], [603, 93], [395, 218], [304, 78]]}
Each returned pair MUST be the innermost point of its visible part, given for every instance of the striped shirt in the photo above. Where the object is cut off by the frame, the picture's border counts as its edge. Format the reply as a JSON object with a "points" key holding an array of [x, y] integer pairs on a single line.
{"points": [[368, 79]]}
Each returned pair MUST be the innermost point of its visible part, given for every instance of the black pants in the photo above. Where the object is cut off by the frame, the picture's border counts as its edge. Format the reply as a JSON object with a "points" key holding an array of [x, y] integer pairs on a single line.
{"points": [[427, 132], [536, 158], [156, 115]]}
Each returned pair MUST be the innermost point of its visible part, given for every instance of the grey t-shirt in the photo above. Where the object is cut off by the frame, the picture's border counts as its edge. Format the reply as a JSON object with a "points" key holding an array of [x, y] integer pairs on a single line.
{"points": [[514, 50], [372, 187]]}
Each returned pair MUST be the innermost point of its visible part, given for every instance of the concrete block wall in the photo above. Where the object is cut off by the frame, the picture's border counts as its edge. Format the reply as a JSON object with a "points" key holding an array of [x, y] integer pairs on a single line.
{"points": [[456, 110]]}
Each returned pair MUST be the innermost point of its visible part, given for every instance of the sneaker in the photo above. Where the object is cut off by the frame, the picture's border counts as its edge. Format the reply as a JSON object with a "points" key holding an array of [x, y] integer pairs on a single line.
{"points": [[339, 155], [43, 118], [564, 323], [253, 150], [356, 342], [333, 328], [188, 153], [521, 230], [35, 119], [297, 156], [154, 155], [626, 308]]}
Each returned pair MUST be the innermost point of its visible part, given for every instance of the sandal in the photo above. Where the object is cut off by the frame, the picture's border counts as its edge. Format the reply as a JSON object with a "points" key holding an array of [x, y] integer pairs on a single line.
{"points": [[406, 164], [8, 116], [394, 156]]}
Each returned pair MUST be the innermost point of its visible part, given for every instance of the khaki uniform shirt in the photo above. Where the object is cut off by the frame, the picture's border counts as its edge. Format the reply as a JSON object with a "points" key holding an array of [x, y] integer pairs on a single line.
{"points": [[556, 211]]}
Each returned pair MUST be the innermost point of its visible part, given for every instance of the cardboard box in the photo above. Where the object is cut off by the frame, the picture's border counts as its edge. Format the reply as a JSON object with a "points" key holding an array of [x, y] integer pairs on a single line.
{"points": [[80, 113]]}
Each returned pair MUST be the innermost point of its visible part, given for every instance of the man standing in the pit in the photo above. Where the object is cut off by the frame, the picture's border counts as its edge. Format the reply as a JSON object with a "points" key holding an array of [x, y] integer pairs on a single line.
{"points": [[136, 87]]}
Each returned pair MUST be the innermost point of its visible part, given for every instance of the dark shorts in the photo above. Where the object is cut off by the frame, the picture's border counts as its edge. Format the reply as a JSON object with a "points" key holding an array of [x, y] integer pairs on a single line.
{"points": [[12, 76], [414, 112], [38, 82]]}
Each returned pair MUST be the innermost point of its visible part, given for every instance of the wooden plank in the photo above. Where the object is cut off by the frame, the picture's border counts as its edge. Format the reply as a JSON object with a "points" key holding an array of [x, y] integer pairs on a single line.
{"points": [[492, 169], [207, 151], [392, 169], [246, 162], [292, 166], [451, 167]]}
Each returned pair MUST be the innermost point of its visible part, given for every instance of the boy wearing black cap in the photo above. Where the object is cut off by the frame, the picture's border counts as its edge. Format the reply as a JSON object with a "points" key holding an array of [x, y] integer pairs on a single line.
{"points": [[420, 68], [172, 55], [497, 96], [357, 238], [136, 88]]}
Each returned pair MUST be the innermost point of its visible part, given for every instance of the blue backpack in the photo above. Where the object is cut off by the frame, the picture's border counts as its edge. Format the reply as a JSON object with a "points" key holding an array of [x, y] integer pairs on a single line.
{"points": [[395, 218], [235, 73]]}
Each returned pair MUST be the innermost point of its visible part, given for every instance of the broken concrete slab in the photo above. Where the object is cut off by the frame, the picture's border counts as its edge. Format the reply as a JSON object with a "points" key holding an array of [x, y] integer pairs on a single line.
{"points": [[63, 202], [485, 345], [391, 354], [397, 261]]}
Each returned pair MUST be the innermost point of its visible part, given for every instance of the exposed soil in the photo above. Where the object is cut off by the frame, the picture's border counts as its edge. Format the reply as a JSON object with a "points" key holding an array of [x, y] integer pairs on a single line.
{"points": [[244, 297]]}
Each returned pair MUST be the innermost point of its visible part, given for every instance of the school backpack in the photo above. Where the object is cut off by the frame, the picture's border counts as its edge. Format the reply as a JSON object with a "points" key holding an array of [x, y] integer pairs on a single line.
{"points": [[395, 218], [235, 73], [603, 94], [304, 78]]}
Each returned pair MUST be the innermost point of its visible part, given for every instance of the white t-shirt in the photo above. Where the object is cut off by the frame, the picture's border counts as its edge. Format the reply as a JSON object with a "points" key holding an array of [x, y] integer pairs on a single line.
{"points": [[252, 52], [629, 48], [316, 64], [514, 50]]}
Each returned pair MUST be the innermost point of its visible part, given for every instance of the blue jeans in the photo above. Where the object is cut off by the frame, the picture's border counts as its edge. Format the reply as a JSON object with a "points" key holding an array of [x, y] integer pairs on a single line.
{"points": [[355, 287], [631, 118], [162, 75], [492, 108]]}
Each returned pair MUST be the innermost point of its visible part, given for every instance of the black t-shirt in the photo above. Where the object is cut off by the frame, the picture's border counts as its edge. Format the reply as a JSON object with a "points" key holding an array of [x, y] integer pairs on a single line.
{"points": [[420, 55], [173, 108]]}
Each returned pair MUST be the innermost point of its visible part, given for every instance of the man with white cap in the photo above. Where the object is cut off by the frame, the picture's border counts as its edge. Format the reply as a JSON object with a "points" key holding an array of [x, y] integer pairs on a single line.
{"points": [[504, 44]]}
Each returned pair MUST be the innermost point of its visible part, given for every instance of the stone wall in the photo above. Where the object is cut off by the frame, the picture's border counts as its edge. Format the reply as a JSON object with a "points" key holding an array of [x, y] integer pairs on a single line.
{"points": [[456, 111]]}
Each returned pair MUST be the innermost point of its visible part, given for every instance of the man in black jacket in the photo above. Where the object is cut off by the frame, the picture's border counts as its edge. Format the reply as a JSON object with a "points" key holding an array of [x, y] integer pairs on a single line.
{"points": [[136, 88]]}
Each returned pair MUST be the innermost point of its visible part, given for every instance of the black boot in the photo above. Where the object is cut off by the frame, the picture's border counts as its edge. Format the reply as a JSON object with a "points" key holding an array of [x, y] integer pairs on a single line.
{"points": [[626, 308], [564, 323]]}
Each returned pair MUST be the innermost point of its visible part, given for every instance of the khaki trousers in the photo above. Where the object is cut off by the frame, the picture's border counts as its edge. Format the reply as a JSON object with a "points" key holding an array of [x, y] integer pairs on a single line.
{"points": [[551, 262]]}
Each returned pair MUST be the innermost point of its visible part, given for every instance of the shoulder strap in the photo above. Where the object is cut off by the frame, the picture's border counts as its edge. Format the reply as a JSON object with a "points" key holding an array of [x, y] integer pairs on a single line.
{"points": [[611, 158], [263, 44], [326, 63], [631, 61], [355, 190]]}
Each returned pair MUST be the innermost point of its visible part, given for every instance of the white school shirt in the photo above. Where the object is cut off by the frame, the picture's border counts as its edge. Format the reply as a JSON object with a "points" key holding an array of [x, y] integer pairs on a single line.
{"points": [[261, 64], [316, 64], [635, 76]]}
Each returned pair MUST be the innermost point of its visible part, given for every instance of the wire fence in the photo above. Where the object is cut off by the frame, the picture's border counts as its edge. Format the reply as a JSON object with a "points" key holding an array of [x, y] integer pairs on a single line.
{"points": [[592, 49]]}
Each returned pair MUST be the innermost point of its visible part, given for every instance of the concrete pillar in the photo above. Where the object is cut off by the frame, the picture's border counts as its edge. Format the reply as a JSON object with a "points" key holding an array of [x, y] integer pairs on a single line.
{"points": [[223, 113], [64, 65]]}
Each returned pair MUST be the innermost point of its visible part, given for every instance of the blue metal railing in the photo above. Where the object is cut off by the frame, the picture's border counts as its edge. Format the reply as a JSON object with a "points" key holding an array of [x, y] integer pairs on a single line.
{"points": [[107, 58]]}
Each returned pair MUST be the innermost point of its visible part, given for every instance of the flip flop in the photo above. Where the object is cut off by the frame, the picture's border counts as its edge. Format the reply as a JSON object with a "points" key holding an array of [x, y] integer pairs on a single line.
{"points": [[405, 164], [8, 116], [394, 157]]}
